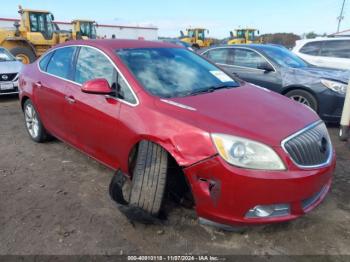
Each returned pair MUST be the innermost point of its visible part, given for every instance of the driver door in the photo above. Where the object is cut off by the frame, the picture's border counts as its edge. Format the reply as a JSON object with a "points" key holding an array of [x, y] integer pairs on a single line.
{"points": [[94, 118]]}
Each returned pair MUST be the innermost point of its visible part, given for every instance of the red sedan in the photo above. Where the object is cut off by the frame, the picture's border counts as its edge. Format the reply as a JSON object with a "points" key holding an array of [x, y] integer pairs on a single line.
{"points": [[249, 156]]}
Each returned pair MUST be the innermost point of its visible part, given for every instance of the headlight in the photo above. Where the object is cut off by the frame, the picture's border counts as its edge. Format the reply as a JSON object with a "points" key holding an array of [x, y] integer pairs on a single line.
{"points": [[247, 153], [338, 87]]}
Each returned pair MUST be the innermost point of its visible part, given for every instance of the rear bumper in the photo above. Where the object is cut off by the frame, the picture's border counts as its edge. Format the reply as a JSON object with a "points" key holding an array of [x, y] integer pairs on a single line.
{"points": [[224, 194]]}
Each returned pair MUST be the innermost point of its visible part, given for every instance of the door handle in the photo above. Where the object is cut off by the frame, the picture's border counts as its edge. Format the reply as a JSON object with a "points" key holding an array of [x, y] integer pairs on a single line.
{"points": [[70, 99], [38, 84]]}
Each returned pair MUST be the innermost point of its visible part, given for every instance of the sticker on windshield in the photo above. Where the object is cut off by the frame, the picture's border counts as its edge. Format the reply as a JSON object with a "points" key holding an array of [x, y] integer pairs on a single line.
{"points": [[221, 76]]}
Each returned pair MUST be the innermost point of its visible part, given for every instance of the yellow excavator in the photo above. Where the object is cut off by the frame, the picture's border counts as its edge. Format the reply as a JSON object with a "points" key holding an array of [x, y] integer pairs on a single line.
{"points": [[244, 36], [84, 29], [33, 35], [196, 37]]}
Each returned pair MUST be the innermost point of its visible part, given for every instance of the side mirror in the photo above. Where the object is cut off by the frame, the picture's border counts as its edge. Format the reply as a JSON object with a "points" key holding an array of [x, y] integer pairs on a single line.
{"points": [[182, 33], [266, 67], [52, 17], [99, 86]]}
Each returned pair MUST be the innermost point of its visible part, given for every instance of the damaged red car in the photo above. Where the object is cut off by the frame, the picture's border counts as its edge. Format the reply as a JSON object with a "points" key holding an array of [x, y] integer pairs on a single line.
{"points": [[249, 156]]}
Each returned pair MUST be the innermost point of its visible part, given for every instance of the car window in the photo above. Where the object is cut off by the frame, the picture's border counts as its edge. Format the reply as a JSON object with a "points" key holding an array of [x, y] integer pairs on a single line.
{"points": [[124, 91], [338, 48], [247, 58], [219, 55], [173, 72], [312, 48], [60, 63], [92, 64], [44, 61]]}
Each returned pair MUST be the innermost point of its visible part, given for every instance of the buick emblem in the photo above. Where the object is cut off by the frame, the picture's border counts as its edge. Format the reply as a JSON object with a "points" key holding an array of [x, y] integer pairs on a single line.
{"points": [[323, 145], [4, 77]]}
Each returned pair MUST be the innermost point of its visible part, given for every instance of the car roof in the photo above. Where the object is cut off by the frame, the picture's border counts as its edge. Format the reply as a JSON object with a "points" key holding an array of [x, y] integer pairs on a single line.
{"points": [[319, 39], [251, 46], [113, 44]]}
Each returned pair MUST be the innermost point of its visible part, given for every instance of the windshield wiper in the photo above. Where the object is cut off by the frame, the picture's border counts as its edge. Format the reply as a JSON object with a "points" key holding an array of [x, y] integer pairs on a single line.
{"points": [[211, 89]]}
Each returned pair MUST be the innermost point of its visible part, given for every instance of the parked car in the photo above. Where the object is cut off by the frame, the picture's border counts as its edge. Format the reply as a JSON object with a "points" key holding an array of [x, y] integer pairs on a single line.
{"points": [[9, 71], [279, 70], [145, 109], [325, 52]]}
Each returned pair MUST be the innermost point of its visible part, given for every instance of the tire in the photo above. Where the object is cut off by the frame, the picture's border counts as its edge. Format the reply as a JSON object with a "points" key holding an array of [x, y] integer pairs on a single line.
{"points": [[33, 123], [149, 177], [344, 133], [303, 97], [27, 54]]}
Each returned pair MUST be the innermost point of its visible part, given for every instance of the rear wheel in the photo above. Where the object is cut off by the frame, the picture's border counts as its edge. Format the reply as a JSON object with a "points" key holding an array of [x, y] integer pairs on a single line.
{"points": [[24, 53], [303, 97], [33, 123], [146, 189]]}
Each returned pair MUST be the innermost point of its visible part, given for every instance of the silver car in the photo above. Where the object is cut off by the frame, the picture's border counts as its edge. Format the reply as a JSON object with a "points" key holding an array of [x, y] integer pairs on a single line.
{"points": [[9, 72]]}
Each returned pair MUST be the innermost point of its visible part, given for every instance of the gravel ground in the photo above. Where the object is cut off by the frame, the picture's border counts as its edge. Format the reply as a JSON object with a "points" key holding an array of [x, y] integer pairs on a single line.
{"points": [[54, 200]]}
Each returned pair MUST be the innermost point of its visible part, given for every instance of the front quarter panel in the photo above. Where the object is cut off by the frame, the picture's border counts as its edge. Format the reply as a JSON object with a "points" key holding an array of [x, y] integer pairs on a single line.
{"points": [[186, 143]]}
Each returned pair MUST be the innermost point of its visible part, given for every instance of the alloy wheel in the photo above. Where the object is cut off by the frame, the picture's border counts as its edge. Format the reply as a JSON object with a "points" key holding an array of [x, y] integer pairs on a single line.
{"points": [[301, 100], [32, 121]]}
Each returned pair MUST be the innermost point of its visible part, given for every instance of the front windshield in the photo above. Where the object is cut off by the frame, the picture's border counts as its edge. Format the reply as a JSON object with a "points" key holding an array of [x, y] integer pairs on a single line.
{"points": [[5, 56], [173, 72], [284, 57]]}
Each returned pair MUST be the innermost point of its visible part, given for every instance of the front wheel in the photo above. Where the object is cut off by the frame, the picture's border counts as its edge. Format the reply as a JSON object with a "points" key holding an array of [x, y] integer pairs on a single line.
{"points": [[33, 123], [24, 53], [145, 190], [303, 97]]}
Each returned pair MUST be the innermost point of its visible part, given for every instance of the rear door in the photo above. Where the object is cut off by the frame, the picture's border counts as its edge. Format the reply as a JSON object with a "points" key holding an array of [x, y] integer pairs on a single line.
{"points": [[94, 118], [49, 90]]}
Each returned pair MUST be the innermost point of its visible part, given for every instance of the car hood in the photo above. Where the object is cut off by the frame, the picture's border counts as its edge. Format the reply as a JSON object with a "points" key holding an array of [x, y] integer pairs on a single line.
{"points": [[247, 111], [10, 67], [311, 75]]}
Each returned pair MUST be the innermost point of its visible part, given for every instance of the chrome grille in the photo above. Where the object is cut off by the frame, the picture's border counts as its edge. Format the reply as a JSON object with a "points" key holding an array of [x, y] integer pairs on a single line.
{"points": [[310, 147]]}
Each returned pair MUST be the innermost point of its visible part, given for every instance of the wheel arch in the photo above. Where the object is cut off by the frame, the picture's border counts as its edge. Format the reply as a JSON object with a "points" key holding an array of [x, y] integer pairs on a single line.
{"points": [[23, 100], [167, 146], [298, 87]]}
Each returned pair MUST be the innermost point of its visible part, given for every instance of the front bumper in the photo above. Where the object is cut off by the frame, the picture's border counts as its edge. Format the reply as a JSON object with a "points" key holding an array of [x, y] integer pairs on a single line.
{"points": [[13, 90], [330, 106], [224, 193]]}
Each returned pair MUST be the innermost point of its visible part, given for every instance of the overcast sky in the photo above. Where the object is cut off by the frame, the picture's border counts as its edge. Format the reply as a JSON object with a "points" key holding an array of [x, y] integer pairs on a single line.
{"points": [[219, 16]]}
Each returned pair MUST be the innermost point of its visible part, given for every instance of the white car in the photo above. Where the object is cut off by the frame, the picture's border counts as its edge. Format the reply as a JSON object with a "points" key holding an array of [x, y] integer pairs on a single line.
{"points": [[9, 72], [325, 52]]}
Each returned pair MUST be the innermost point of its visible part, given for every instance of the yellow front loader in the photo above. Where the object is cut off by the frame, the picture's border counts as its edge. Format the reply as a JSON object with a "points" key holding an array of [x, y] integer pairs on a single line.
{"points": [[84, 29], [33, 35], [196, 38], [244, 36]]}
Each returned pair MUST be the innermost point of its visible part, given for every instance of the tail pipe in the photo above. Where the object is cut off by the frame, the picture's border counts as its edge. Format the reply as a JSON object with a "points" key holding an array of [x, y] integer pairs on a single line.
{"points": [[345, 119]]}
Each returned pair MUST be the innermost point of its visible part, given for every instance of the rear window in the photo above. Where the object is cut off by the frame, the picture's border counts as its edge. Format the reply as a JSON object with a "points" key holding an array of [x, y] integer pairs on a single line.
{"points": [[312, 48], [338, 48]]}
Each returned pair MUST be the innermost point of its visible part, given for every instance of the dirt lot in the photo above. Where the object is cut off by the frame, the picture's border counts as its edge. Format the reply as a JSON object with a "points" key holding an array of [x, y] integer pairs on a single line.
{"points": [[54, 200]]}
